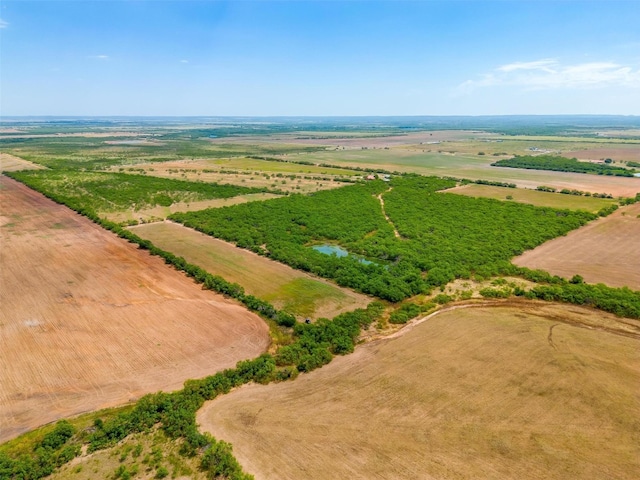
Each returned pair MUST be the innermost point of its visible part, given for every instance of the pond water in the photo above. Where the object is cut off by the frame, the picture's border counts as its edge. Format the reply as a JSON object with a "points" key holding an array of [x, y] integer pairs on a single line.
{"points": [[339, 252]]}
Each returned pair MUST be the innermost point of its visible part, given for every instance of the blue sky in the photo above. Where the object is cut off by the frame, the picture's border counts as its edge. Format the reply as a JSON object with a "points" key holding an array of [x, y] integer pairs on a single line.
{"points": [[119, 57]]}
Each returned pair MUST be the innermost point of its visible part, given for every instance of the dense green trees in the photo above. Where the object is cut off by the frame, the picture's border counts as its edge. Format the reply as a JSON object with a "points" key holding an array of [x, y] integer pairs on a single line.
{"points": [[443, 236], [562, 164]]}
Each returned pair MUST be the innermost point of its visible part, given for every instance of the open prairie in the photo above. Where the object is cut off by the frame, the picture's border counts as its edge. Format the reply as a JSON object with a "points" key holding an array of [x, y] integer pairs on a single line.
{"points": [[519, 391], [604, 251], [295, 291], [533, 197], [89, 321]]}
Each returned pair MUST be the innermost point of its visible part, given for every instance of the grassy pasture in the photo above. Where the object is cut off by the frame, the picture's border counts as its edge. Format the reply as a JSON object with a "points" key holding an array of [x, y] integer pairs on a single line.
{"points": [[203, 170], [279, 167], [534, 197], [160, 212], [605, 251], [476, 393], [286, 288]]}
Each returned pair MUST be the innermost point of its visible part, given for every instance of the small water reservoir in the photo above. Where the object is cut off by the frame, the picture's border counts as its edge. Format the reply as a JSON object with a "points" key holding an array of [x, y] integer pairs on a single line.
{"points": [[339, 252]]}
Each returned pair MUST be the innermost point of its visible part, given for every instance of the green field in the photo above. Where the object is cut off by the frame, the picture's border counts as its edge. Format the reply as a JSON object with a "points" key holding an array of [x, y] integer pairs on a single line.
{"points": [[287, 289], [534, 197], [279, 167], [113, 192]]}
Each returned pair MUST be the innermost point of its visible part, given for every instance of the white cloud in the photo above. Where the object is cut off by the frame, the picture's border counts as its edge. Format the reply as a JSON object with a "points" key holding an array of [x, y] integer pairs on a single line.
{"points": [[100, 57], [3, 24], [184, 61], [552, 74]]}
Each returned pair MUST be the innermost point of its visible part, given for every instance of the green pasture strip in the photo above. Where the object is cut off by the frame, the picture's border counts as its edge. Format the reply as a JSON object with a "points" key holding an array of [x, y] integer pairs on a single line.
{"points": [[112, 192], [290, 290], [444, 236], [534, 197], [267, 164]]}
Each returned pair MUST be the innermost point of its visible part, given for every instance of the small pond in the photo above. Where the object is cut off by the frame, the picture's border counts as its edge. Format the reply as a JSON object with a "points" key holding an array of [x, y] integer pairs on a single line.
{"points": [[339, 252]]}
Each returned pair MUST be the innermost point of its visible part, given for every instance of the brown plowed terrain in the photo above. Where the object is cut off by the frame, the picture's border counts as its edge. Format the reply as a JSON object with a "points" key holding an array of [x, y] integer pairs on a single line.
{"points": [[88, 321], [606, 251], [528, 390]]}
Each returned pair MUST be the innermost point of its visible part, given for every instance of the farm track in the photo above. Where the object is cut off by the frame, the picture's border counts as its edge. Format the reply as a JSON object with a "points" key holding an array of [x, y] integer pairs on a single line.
{"points": [[395, 230]]}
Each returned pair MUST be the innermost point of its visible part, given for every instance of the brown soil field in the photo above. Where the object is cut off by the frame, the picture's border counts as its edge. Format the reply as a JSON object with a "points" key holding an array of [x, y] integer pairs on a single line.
{"points": [[533, 197], [619, 152], [160, 212], [89, 321], [11, 163], [285, 287], [603, 251], [501, 393]]}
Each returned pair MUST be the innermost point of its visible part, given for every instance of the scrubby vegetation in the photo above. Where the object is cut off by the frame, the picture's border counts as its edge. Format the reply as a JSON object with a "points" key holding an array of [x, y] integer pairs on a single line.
{"points": [[442, 236], [101, 191], [562, 164]]}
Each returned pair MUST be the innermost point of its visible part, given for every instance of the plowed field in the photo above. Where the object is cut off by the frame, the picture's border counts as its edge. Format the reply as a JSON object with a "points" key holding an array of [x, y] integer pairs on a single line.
{"points": [[501, 393], [604, 251], [88, 321]]}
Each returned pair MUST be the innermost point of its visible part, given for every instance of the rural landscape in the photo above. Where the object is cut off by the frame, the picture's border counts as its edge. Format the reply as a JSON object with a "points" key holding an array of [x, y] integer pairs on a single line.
{"points": [[287, 298]]}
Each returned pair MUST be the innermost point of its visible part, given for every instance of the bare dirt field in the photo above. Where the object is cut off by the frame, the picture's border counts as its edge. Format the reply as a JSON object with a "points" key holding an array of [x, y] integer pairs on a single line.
{"points": [[619, 152], [293, 290], [11, 163], [502, 393], [533, 197], [89, 321], [606, 251]]}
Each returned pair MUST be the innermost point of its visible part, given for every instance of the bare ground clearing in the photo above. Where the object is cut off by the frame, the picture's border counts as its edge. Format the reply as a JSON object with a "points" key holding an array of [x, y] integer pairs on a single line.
{"points": [[606, 251], [620, 152], [483, 392], [89, 321], [285, 287], [11, 163]]}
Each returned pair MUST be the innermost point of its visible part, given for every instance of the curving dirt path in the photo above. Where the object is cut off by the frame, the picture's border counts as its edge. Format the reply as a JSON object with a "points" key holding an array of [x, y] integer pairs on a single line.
{"points": [[379, 197]]}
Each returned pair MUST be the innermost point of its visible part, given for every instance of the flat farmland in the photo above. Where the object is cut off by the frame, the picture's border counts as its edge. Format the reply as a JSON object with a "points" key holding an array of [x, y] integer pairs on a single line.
{"points": [[89, 321], [297, 292], [533, 197], [520, 391], [604, 251]]}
